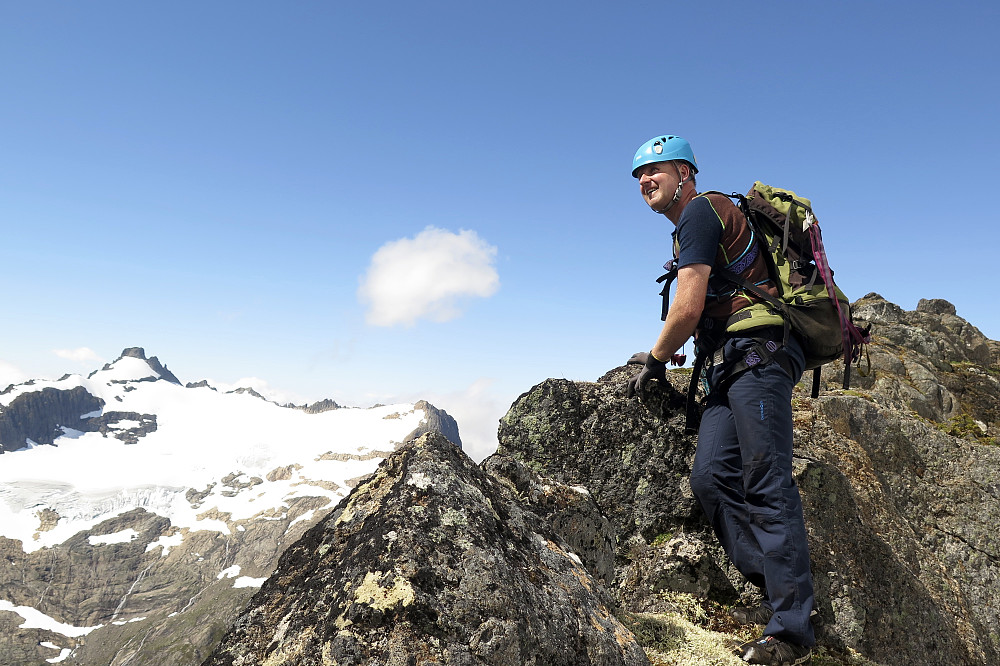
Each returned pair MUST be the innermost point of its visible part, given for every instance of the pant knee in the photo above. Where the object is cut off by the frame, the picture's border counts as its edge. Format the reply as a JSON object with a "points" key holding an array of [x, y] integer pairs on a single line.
{"points": [[703, 485]]}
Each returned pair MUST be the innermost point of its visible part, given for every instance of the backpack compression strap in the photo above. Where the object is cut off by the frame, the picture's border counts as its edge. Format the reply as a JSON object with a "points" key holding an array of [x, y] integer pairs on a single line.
{"points": [[853, 337], [668, 278]]}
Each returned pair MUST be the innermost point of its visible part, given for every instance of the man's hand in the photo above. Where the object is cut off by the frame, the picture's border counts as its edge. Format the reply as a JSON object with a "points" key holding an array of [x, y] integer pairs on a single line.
{"points": [[651, 369], [639, 358]]}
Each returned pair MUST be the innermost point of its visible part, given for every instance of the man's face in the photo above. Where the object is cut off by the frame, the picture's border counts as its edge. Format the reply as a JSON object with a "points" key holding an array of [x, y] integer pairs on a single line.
{"points": [[657, 184]]}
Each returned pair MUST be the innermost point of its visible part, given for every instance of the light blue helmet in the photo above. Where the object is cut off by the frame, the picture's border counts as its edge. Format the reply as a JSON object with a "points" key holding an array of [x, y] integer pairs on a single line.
{"points": [[665, 148]]}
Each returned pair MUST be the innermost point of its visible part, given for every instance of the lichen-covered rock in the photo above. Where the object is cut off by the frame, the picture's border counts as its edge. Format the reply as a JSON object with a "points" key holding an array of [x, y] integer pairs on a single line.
{"points": [[631, 454], [430, 561], [569, 510], [900, 479]]}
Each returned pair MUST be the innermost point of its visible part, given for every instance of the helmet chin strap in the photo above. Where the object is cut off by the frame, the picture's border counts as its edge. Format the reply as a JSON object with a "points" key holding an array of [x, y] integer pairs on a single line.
{"points": [[677, 192]]}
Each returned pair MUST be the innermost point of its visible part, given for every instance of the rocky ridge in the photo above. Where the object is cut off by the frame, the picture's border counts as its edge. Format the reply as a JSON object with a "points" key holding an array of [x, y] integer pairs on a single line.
{"points": [[433, 560], [900, 478]]}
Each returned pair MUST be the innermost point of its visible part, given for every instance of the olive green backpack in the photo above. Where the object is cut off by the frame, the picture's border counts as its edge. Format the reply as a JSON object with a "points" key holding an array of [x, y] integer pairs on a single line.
{"points": [[809, 302]]}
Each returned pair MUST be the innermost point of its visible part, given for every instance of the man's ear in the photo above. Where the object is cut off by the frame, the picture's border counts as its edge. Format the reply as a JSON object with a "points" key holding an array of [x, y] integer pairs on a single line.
{"points": [[683, 170]]}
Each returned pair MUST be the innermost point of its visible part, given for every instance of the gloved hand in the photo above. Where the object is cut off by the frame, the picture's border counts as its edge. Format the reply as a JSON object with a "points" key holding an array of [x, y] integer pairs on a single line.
{"points": [[651, 369], [639, 358]]}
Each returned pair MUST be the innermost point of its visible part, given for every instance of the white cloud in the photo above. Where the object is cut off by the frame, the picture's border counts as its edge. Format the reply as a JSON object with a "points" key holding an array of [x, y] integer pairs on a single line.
{"points": [[79, 354], [10, 374], [427, 276]]}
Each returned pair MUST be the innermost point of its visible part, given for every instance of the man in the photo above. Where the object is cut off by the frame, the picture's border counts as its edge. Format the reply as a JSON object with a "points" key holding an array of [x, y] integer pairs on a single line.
{"points": [[742, 473]]}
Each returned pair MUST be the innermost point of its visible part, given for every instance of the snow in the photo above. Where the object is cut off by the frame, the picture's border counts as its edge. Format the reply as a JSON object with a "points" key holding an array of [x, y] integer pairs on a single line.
{"points": [[241, 581], [247, 581], [118, 537], [202, 437], [308, 515], [63, 652], [166, 542], [231, 572], [126, 369], [124, 622], [35, 619], [124, 424]]}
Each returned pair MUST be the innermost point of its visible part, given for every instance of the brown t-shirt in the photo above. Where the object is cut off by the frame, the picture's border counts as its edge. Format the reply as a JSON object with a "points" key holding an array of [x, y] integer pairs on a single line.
{"points": [[713, 231]]}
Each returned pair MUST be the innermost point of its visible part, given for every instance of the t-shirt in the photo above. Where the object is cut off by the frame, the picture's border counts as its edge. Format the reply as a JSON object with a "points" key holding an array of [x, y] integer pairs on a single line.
{"points": [[713, 231]]}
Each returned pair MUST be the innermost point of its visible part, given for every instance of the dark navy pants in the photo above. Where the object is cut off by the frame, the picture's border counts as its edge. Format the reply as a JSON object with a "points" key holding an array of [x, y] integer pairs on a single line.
{"points": [[742, 477]]}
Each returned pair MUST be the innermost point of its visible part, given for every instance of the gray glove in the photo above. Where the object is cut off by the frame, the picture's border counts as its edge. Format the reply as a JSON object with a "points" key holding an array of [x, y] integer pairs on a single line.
{"points": [[651, 369]]}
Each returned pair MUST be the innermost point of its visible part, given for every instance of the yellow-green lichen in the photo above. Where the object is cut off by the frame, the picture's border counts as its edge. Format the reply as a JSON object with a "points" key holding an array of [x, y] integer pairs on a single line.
{"points": [[371, 592]]}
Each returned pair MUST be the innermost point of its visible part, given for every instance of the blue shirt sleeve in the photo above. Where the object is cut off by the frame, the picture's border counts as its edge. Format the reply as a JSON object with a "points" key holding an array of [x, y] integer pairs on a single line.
{"points": [[698, 233]]}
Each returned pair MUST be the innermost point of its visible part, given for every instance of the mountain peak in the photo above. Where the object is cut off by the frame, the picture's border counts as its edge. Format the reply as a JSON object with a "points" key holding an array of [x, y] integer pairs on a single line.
{"points": [[159, 370]]}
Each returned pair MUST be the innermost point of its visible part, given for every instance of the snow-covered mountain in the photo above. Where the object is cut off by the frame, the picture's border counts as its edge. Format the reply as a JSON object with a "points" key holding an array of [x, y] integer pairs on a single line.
{"points": [[127, 497]]}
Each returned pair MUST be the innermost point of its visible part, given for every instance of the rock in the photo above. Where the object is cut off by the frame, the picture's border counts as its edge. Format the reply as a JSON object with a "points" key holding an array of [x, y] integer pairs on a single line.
{"points": [[151, 606], [900, 479], [935, 306], [631, 455], [120, 425], [582, 524], [569, 510], [430, 561], [200, 384], [153, 363], [134, 589], [436, 420], [320, 406], [246, 390], [39, 415]]}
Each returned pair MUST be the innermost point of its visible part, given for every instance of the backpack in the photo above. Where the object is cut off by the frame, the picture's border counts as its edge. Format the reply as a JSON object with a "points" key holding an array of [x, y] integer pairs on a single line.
{"points": [[809, 304]]}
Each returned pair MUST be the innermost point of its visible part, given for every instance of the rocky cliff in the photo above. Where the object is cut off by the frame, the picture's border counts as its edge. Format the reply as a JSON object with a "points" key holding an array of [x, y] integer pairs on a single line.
{"points": [[39, 416], [435, 561]]}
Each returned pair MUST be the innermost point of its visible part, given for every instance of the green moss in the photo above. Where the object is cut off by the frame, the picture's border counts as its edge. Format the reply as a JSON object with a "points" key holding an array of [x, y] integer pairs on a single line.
{"points": [[965, 427], [661, 633], [662, 539], [671, 639]]}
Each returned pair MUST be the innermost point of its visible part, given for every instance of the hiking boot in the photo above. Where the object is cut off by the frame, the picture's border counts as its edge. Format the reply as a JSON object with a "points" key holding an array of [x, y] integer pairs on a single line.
{"points": [[773, 651], [752, 614]]}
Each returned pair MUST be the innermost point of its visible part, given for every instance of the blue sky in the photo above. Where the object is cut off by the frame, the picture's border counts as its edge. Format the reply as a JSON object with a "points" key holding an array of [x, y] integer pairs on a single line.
{"points": [[394, 201]]}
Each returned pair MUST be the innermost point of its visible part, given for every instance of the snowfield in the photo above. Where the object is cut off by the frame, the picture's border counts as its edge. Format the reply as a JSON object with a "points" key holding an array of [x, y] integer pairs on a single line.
{"points": [[241, 455]]}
